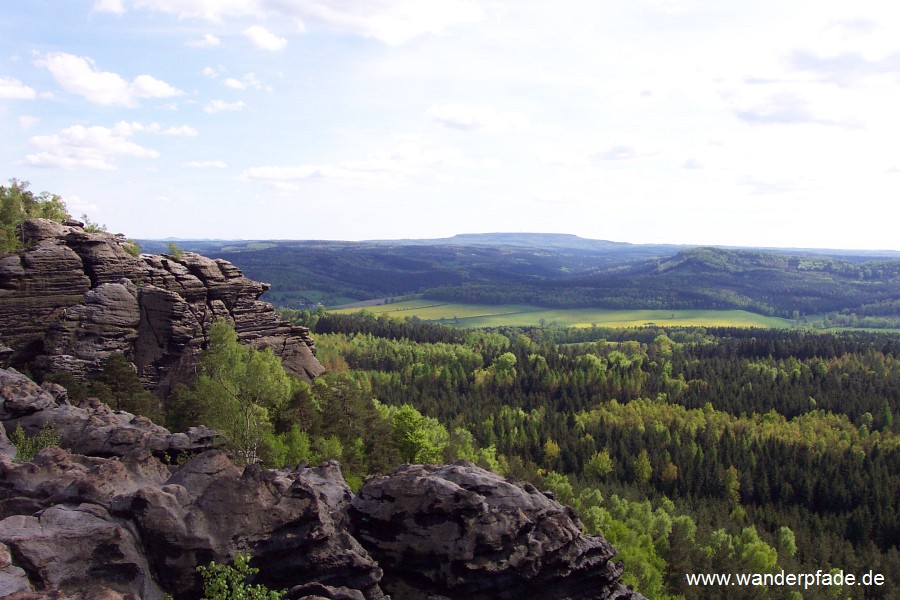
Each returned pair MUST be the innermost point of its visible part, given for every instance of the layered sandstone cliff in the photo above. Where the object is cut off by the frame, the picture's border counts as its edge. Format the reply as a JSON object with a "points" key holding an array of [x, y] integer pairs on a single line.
{"points": [[73, 297]]}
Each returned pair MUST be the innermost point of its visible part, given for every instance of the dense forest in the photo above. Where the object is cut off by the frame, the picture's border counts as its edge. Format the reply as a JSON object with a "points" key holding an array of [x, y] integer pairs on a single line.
{"points": [[693, 450], [711, 278]]}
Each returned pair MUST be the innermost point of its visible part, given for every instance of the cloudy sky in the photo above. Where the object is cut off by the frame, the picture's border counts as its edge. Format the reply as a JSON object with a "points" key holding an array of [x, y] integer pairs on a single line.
{"points": [[764, 123]]}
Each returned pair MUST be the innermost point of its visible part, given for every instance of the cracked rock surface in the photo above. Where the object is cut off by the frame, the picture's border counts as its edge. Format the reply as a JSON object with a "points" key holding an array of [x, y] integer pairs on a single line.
{"points": [[458, 531], [106, 514], [73, 297]]}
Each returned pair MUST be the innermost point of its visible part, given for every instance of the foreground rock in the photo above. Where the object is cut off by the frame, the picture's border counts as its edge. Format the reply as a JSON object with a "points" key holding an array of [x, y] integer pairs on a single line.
{"points": [[74, 297], [110, 516], [92, 429], [107, 515], [458, 531]]}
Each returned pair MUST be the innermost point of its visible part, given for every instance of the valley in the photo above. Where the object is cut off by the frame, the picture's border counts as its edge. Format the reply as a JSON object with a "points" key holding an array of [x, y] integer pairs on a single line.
{"points": [[485, 280]]}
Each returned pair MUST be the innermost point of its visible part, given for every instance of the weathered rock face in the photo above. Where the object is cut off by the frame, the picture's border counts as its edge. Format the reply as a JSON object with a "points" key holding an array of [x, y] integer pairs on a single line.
{"points": [[211, 510], [112, 518], [458, 531], [106, 515], [92, 429], [73, 297]]}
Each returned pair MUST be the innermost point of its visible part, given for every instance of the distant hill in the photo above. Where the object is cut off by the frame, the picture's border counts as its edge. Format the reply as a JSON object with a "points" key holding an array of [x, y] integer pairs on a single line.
{"points": [[715, 278], [564, 242], [558, 270]]}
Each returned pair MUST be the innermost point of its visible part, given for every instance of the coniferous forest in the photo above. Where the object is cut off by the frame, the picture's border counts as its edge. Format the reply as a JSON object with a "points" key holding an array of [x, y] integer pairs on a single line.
{"points": [[691, 450]]}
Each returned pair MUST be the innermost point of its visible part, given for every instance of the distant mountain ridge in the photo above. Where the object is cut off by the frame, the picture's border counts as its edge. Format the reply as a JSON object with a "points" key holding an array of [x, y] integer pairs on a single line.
{"points": [[566, 271], [557, 241]]}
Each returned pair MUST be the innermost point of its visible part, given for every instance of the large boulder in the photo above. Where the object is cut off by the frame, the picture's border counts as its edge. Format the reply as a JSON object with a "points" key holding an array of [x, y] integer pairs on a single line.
{"points": [[80, 548], [458, 531], [210, 510]]}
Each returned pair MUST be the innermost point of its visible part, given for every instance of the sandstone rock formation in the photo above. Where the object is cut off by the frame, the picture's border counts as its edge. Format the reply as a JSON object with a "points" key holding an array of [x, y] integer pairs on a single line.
{"points": [[459, 531], [72, 298], [91, 429], [118, 518], [112, 517]]}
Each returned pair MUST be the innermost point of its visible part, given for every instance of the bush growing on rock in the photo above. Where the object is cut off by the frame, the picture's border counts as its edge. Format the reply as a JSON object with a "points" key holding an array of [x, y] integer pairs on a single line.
{"points": [[227, 582], [28, 447], [17, 203]]}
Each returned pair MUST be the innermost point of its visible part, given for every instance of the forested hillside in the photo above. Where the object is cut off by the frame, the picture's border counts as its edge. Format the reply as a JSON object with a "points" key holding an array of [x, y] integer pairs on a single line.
{"points": [[691, 450], [568, 272], [711, 278]]}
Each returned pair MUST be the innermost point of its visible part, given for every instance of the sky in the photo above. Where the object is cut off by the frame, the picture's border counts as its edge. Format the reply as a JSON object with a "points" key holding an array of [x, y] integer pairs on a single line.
{"points": [[765, 123]]}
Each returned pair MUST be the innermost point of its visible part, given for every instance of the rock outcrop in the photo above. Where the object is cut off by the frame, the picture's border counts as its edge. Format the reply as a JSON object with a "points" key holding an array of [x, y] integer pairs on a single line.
{"points": [[73, 297], [458, 531], [112, 517], [119, 518]]}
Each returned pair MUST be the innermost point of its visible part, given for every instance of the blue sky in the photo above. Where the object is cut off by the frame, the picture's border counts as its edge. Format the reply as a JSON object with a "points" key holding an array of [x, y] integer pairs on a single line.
{"points": [[698, 122]]}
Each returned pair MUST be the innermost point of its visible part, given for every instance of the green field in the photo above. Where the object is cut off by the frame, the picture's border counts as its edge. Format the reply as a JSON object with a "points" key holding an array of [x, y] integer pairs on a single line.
{"points": [[495, 315]]}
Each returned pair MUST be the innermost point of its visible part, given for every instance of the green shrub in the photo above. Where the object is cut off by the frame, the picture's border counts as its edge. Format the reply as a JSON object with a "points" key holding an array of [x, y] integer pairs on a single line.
{"points": [[133, 248], [28, 447], [227, 582]]}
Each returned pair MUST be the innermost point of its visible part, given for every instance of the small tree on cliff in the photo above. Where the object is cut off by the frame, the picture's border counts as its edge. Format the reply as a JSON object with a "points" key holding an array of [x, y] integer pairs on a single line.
{"points": [[17, 204], [239, 390]]}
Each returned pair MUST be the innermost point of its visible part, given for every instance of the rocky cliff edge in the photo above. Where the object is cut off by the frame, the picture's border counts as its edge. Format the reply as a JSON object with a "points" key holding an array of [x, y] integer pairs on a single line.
{"points": [[73, 297]]}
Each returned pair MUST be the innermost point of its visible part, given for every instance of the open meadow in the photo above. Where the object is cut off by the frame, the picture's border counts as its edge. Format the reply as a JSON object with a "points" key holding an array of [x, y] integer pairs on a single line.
{"points": [[496, 315]]}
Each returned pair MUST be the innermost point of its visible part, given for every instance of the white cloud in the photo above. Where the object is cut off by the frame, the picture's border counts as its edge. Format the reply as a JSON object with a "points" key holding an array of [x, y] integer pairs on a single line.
{"points": [[264, 39], [15, 90], [787, 108], [472, 117], [211, 10], [206, 164], [89, 147], [145, 86], [617, 152], [588, 158], [844, 68], [78, 75], [247, 81], [27, 122], [392, 22], [77, 205], [768, 187], [185, 130], [111, 6], [213, 72], [391, 166], [126, 129], [220, 105], [207, 41]]}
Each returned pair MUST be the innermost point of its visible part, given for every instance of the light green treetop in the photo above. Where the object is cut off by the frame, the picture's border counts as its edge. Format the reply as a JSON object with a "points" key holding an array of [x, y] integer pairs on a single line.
{"points": [[18, 203]]}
